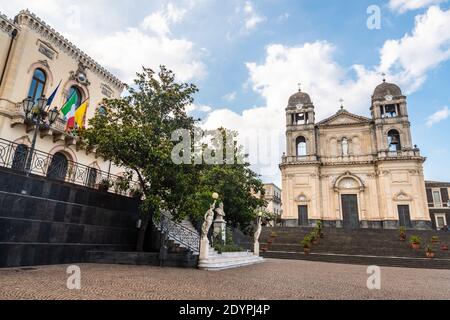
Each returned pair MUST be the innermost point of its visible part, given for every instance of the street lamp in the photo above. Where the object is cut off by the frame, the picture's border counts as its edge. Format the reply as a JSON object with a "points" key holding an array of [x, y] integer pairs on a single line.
{"points": [[35, 114]]}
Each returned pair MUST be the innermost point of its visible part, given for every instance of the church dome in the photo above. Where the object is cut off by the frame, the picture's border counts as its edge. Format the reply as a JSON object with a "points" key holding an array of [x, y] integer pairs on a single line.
{"points": [[299, 98], [386, 89]]}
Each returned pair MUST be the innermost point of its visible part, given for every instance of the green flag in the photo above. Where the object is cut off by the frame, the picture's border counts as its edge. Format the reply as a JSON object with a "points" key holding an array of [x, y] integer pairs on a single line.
{"points": [[67, 108]]}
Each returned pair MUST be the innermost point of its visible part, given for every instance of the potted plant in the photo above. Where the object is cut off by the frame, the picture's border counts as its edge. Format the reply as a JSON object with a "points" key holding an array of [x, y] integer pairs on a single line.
{"points": [[402, 234], [434, 239], [444, 247], [430, 252], [306, 244], [319, 229], [104, 185], [313, 237], [415, 242]]}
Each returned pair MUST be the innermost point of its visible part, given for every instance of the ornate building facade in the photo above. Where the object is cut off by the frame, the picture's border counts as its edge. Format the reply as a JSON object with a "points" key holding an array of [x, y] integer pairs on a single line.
{"points": [[351, 171], [34, 59]]}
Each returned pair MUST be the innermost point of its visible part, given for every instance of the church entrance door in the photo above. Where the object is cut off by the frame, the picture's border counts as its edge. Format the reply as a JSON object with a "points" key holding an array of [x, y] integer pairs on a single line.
{"points": [[303, 216], [350, 211]]}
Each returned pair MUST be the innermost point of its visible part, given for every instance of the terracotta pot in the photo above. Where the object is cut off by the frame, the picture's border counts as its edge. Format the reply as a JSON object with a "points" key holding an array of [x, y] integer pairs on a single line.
{"points": [[430, 255], [306, 251], [434, 241], [415, 246], [402, 237], [444, 248]]}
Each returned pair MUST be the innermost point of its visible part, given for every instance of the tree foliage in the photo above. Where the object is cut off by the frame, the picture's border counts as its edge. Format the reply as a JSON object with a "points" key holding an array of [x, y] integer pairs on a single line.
{"points": [[135, 132]]}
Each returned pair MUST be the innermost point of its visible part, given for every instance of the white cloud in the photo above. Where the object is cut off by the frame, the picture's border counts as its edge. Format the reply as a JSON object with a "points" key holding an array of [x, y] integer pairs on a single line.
{"points": [[438, 116], [402, 6], [252, 17], [159, 22], [411, 57], [230, 96], [407, 62], [195, 107]]}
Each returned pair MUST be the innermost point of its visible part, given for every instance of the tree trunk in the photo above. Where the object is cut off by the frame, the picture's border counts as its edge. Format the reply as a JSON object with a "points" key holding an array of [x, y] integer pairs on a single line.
{"points": [[141, 233]]}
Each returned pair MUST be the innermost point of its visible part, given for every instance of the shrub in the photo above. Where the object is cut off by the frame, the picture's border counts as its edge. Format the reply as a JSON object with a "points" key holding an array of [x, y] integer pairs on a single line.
{"points": [[221, 248], [415, 240], [306, 242]]}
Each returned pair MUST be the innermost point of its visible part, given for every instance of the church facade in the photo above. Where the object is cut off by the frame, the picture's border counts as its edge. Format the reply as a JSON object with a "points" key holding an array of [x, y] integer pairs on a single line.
{"points": [[350, 171]]}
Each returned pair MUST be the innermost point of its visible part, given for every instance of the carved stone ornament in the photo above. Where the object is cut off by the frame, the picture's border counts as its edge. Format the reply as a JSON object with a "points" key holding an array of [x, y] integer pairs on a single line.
{"points": [[80, 75]]}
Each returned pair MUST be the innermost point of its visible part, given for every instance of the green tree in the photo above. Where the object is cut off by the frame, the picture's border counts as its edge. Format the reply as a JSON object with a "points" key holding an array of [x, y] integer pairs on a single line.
{"points": [[135, 133]]}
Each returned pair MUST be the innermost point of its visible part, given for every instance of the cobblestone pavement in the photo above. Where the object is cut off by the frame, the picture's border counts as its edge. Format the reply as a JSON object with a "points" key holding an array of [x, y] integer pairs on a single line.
{"points": [[274, 279]]}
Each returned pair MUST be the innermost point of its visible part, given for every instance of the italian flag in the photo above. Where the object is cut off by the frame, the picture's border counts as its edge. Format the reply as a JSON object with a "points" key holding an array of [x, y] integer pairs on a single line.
{"points": [[68, 110]]}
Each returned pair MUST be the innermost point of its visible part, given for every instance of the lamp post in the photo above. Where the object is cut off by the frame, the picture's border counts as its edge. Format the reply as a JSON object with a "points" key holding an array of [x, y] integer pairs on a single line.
{"points": [[35, 114]]}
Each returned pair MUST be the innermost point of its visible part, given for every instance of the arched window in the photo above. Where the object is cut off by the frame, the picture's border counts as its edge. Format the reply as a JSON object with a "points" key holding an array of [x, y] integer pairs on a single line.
{"points": [[20, 158], [78, 94], [37, 84], [344, 147], [394, 142], [58, 167], [301, 146]]}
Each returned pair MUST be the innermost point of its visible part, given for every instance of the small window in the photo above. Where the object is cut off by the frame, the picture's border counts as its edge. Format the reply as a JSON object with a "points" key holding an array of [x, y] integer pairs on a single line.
{"points": [[441, 221], [437, 199]]}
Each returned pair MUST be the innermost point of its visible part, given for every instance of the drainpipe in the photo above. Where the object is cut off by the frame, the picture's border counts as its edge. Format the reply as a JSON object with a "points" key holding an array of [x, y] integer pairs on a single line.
{"points": [[13, 37]]}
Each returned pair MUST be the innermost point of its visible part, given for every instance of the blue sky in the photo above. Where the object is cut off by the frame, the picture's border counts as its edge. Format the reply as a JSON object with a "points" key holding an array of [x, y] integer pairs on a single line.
{"points": [[248, 56]]}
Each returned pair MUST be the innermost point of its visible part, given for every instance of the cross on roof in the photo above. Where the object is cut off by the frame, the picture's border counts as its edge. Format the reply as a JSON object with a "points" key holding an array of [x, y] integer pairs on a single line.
{"points": [[384, 76], [299, 87], [342, 103]]}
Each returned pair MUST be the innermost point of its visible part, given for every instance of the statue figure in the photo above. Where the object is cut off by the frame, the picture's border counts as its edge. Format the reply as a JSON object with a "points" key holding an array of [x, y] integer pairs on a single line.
{"points": [[209, 217], [220, 213], [345, 147], [258, 229]]}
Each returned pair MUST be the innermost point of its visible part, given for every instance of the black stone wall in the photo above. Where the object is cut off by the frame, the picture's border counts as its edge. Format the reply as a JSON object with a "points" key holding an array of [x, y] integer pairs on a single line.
{"points": [[46, 222]]}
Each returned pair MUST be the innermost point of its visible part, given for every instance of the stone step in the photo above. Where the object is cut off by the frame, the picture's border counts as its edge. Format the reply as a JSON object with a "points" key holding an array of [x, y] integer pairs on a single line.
{"points": [[223, 263], [363, 260]]}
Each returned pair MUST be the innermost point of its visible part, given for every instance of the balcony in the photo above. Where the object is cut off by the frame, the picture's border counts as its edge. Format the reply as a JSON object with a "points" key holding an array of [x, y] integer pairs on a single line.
{"points": [[401, 154], [14, 156], [57, 130]]}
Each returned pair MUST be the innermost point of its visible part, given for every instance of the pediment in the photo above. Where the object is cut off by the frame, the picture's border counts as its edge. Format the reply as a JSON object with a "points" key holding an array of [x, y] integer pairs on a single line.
{"points": [[344, 118]]}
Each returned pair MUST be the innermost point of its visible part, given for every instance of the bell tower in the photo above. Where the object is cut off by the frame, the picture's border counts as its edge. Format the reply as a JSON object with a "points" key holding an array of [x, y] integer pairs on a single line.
{"points": [[390, 114], [300, 122]]}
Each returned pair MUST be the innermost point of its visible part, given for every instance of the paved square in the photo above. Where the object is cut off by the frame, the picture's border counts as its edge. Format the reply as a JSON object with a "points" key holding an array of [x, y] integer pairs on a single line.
{"points": [[274, 279]]}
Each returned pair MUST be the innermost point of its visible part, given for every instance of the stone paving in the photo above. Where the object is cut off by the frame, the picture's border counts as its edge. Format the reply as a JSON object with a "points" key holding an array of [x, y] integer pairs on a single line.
{"points": [[272, 280]]}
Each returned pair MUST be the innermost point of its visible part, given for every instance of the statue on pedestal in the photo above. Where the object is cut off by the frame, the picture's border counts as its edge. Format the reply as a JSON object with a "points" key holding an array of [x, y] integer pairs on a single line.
{"points": [[257, 234], [209, 217], [220, 213]]}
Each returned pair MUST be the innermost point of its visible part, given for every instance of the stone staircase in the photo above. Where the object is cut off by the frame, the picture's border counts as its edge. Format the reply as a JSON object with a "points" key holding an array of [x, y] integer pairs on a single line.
{"points": [[367, 247], [184, 237], [227, 260]]}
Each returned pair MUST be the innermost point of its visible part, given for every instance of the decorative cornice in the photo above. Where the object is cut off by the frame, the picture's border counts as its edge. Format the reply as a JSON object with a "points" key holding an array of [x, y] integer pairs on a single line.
{"points": [[7, 25], [26, 18]]}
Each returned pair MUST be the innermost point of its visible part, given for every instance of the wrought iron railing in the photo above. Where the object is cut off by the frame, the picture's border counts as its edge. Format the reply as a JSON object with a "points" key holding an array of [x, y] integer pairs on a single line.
{"points": [[58, 167], [178, 233]]}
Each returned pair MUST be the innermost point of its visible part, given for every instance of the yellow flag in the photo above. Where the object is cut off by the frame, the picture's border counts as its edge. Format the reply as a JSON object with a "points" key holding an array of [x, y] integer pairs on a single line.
{"points": [[80, 113]]}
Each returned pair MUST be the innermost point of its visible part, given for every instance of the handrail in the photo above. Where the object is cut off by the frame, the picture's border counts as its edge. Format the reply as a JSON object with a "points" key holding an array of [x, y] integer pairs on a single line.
{"points": [[178, 232], [14, 156]]}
